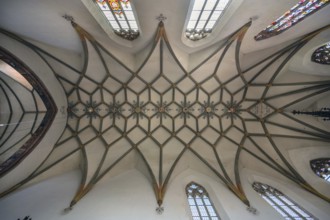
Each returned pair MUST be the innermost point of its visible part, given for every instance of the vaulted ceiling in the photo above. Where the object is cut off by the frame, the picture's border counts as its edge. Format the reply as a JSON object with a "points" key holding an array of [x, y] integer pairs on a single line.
{"points": [[161, 103]]}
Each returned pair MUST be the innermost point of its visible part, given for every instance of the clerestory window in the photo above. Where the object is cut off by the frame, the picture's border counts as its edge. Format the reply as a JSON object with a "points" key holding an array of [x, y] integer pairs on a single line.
{"points": [[200, 204], [291, 17], [203, 17], [321, 167], [322, 54], [121, 17], [281, 203]]}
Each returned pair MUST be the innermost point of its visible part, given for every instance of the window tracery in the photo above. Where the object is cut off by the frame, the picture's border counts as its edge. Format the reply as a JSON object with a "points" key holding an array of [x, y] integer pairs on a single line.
{"points": [[293, 16], [322, 54], [321, 167], [204, 15], [121, 17], [199, 202], [281, 203]]}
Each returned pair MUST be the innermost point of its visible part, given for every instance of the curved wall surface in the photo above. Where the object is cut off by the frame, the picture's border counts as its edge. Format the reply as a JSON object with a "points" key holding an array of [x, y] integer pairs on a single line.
{"points": [[46, 76]]}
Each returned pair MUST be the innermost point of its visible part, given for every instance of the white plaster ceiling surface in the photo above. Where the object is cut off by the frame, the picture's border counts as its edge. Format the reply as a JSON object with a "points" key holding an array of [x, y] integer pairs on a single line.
{"points": [[226, 109], [21, 108]]}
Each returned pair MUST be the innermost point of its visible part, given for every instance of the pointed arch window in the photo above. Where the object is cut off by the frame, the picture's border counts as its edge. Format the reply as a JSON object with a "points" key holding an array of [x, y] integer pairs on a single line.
{"points": [[121, 17], [321, 167], [293, 16], [322, 54], [281, 203], [204, 15], [199, 202]]}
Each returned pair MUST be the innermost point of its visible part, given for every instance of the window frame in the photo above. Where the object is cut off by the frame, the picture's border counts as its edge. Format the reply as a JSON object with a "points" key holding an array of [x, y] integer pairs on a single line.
{"points": [[324, 51], [275, 198], [195, 34], [120, 18], [284, 21], [315, 171], [201, 192]]}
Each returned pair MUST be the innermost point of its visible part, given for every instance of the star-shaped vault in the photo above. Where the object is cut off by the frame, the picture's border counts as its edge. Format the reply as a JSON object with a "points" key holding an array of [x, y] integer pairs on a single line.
{"points": [[161, 111]]}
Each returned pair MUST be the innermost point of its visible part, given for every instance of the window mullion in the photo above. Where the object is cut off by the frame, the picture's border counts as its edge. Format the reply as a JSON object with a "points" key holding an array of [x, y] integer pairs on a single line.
{"points": [[195, 192], [199, 213], [200, 14], [289, 206], [281, 203], [278, 206], [293, 16], [207, 211], [213, 9], [203, 17], [122, 9], [114, 15]]}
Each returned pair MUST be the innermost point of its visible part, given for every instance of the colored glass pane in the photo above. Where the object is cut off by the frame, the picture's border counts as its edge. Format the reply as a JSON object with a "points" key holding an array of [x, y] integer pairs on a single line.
{"points": [[322, 54], [296, 14], [121, 17], [321, 167]]}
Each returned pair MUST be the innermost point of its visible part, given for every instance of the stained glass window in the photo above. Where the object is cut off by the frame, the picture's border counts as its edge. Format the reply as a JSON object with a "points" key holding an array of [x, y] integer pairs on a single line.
{"points": [[121, 17], [322, 54], [296, 14], [321, 167], [200, 204], [204, 15], [281, 203]]}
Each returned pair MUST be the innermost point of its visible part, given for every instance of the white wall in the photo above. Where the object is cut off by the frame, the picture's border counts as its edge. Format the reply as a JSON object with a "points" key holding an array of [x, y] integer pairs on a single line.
{"points": [[300, 159], [130, 196], [314, 205]]}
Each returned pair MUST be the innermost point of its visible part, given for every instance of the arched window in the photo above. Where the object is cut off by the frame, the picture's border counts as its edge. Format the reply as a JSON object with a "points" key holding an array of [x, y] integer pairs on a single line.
{"points": [[204, 15], [321, 167], [281, 203], [293, 16], [200, 204], [322, 54], [121, 17]]}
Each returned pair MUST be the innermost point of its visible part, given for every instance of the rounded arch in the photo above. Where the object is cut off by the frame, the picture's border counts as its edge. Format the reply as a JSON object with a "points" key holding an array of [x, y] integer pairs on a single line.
{"points": [[302, 63], [301, 161]]}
